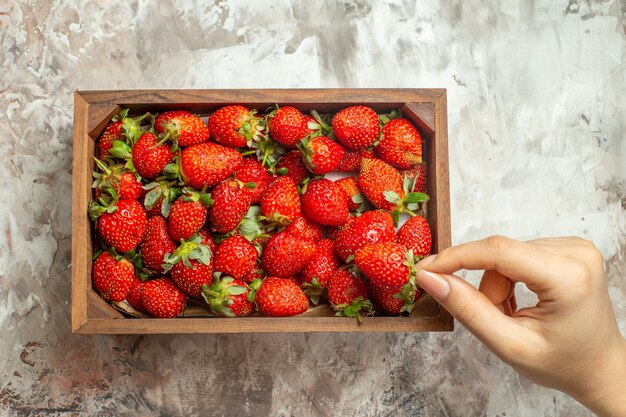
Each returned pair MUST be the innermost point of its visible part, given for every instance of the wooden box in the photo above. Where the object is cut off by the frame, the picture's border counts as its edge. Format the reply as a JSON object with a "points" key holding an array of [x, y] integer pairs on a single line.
{"points": [[426, 108]]}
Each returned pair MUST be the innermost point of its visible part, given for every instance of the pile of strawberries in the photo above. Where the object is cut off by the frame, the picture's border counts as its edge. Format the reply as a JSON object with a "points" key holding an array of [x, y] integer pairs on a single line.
{"points": [[241, 213]]}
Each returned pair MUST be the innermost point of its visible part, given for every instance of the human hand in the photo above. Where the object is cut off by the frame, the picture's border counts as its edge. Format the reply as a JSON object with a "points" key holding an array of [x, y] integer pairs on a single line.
{"points": [[568, 341]]}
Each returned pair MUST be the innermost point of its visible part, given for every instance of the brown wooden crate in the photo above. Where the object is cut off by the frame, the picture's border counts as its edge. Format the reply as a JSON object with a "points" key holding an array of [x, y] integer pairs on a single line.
{"points": [[426, 108]]}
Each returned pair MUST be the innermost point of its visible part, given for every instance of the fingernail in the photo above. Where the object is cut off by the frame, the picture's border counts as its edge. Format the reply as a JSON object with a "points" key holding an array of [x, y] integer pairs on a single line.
{"points": [[425, 262], [434, 284]]}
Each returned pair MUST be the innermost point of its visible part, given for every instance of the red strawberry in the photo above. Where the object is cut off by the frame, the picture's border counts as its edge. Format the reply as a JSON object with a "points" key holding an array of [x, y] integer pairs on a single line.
{"points": [[124, 227], [150, 157], [352, 192], [321, 154], [112, 132], [371, 227], [134, 295], [325, 203], [231, 201], [285, 255], [317, 272], [228, 297], [181, 126], [415, 235], [186, 218], [347, 295], [418, 175], [158, 197], [251, 171], [280, 297], [391, 301], [281, 201], [207, 164], [207, 240], [305, 229], [400, 144], [287, 125], [121, 127], [162, 299], [116, 182], [257, 272], [384, 264], [155, 244], [235, 256], [191, 266], [112, 278], [294, 166], [233, 126], [356, 127]]}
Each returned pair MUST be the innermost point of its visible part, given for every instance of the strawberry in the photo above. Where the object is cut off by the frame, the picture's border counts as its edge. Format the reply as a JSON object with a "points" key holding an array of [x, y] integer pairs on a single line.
{"points": [[252, 171], [206, 165], [162, 298], [347, 295], [256, 272], [233, 126], [285, 255], [116, 182], [291, 165], [279, 297], [112, 277], [415, 235], [228, 297], [317, 272], [354, 198], [112, 132], [305, 229], [155, 244], [325, 203], [400, 144], [148, 155], [281, 201], [123, 226], [186, 218], [384, 264], [351, 160], [134, 295], [120, 128], [321, 154], [231, 201], [182, 127], [191, 266], [371, 227], [418, 175], [391, 302], [235, 256], [207, 240], [158, 197], [356, 127], [287, 125]]}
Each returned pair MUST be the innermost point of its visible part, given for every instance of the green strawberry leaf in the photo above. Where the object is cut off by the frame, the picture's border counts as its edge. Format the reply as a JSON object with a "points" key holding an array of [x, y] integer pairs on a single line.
{"points": [[416, 198], [392, 197]]}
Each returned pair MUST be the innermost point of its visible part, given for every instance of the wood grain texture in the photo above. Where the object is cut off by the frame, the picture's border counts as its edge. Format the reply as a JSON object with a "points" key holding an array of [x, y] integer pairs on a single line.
{"points": [[94, 109]]}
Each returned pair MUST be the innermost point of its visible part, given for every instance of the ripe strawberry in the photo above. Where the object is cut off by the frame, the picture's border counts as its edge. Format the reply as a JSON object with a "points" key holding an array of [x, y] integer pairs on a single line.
{"points": [[149, 157], [279, 297], [115, 182], [191, 266], [124, 227], [384, 264], [207, 240], [231, 201], [317, 272], [252, 171], [186, 218], [112, 132], [321, 154], [305, 229], [352, 192], [257, 272], [162, 299], [325, 203], [281, 201], [111, 277], [233, 126], [158, 197], [351, 160], [347, 295], [155, 244], [415, 235], [356, 127], [228, 297], [285, 255], [391, 301], [292, 165], [418, 175], [400, 144], [235, 256], [287, 125], [121, 127], [134, 295], [371, 227], [207, 164], [184, 128]]}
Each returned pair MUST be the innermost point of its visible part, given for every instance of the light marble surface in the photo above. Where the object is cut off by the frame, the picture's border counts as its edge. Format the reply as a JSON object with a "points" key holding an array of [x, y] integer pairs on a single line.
{"points": [[537, 138]]}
